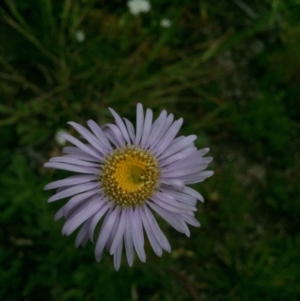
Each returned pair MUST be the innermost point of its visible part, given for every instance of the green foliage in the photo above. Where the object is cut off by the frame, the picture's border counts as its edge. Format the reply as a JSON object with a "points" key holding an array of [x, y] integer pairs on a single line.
{"points": [[231, 69]]}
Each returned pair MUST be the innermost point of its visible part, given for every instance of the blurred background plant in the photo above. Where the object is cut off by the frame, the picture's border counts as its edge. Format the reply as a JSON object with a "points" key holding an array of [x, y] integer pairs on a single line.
{"points": [[230, 68]]}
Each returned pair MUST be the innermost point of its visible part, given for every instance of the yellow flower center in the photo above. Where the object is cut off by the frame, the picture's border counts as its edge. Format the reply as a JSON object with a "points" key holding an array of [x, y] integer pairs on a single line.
{"points": [[129, 176]]}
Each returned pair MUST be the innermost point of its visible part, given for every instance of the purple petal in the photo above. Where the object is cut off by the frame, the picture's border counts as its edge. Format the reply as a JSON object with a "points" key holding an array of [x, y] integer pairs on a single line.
{"points": [[168, 137], [128, 241], [137, 234], [179, 145], [72, 180], [193, 163], [59, 214], [130, 129], [82, 233], [74, 190], [75, 152], [77, 199], [183, 171], [84, 212], [191, 220], [204, 151], [147, 127], [118, 256], [72, 167], [181, 197], [121, 125], [171, 218], [71, 160], [88, 136], [80, 145], [161, 238], [151, 236], [105, 232], [173, 182], [162, 131], [95, 220], [112, 233], [139, 123], [171, 201], [176, 157], [197, 177], [194, 193], [156, 127], [119, 233], [96, 129], [114, 134], [169, 207]]}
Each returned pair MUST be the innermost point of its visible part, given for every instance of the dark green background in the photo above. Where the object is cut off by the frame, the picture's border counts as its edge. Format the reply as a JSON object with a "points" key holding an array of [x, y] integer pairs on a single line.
{"points": [[231, 69]]}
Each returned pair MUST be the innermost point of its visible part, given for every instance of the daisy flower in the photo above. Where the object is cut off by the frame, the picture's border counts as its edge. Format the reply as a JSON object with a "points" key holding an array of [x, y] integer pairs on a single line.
{"points": [[126, 177], [139, 6]]}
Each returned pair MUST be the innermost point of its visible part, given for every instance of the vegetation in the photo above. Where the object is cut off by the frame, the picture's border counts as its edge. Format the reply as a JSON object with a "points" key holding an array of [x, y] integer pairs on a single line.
{"points": [[231, 69]]}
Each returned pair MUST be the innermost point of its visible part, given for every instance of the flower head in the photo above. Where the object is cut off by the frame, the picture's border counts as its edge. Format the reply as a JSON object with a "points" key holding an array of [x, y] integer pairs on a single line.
{"points": [[80, 36], [138, 6], [126, 175], [165, 23]]}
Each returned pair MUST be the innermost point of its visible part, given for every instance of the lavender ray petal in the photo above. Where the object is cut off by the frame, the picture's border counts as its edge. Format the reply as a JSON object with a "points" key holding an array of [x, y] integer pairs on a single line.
{"points": [[151, 236], [189, 170], [84, 241], [156, 127], [71, 160], [179, 184], [130, 130], [73, 190], [96, 129], [139, 123], [204, 151], [196, 177], [170, 200], [137, 234], [88, 136], [80, 145], [77, 199], [128, 240], [171, 218], [194, 193], [121, 125], [147, 127], [84, 158], [96, 218], [81, 215], [71, 167], [188, 164], [119, 233], [59, 214], [179, 145], [176, 157], [194, 158], [191, 220], [114, 134], [161, 238], [118, 256], [82, 233], [181, 197], [169, 207], [105, 230], [75, 152], [72, 180], [163, 130], [168, 137], [112, 233]]}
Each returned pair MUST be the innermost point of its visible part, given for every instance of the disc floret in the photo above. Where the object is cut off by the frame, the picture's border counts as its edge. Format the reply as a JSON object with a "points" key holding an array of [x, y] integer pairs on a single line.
{"points": [[129, 176]]}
